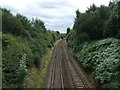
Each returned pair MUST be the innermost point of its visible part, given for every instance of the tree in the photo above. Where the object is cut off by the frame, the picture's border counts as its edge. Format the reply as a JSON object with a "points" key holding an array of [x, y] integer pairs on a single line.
{"points": [[39, 24], [112, 24], [26, 23], [68, 30], [10, 23], [77, 13], [118, 21], [58, 32], [92, 8]]}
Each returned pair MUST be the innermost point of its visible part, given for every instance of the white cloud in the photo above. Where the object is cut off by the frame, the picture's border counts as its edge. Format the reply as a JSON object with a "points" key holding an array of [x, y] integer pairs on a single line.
{"points": [[57, 14]]}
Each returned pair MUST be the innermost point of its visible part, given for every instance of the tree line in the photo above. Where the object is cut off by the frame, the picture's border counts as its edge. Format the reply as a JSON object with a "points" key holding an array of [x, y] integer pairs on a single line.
{"points": [[95, 40], [24, 42], [97, 23]]}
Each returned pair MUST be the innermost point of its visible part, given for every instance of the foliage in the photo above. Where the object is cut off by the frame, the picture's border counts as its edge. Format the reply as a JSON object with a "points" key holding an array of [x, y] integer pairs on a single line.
{"points": [[24, 44], [95, 41], [10, 23], [98, 22], [15, 55], [71, 38], [39, 24], [62, 35], [68, 30], [102, 57]]}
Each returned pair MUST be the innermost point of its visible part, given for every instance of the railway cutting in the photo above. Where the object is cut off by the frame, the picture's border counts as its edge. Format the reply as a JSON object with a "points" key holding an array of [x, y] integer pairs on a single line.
{"points": [[64, 71]]}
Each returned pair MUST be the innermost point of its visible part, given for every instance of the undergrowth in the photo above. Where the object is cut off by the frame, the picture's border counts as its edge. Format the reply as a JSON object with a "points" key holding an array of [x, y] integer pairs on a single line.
{"points": [[102, 59]]}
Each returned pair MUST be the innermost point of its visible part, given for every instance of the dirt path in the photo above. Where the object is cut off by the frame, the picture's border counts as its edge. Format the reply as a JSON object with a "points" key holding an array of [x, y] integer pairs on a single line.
{"points": [[64, 71]]}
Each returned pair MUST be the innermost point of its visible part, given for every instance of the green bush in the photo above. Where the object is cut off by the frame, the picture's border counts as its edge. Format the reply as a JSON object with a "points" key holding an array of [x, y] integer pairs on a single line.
{"points": [[24, 43], [15, 55], [102, 57]]}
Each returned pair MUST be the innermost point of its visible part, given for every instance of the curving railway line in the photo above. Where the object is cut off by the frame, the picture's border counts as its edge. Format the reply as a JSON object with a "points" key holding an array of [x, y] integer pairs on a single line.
{"points": [[64, 71]]}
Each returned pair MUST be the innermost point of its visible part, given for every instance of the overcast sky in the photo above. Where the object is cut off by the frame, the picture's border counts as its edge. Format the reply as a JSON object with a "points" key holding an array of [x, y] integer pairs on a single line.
{"points": [[57, 14]]}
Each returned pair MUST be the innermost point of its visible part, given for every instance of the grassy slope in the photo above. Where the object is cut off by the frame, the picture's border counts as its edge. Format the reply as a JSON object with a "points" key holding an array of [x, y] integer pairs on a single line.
{"points": [[36, 77]]}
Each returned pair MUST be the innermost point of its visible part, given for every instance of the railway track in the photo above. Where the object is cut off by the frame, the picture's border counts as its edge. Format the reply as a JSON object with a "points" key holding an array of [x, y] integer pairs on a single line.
{"points": [[64, 71]]}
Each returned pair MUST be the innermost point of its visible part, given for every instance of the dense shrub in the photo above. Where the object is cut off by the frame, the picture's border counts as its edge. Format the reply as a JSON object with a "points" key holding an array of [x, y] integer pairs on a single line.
{"points": [[15, 55], [102, 58], [24, 43]]}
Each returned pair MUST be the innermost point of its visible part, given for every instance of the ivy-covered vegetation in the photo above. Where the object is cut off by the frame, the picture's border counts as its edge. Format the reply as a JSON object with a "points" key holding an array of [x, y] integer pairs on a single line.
{"points": [[95, 40], [24, 43], [103, 60]]}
